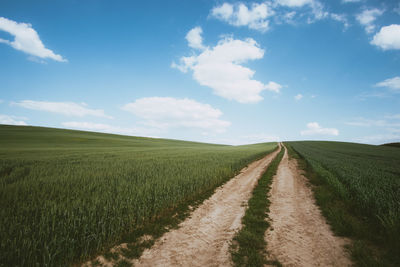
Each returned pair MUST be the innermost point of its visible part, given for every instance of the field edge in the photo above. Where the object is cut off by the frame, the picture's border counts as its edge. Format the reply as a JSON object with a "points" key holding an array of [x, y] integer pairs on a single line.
{"points": [[338, 214]]}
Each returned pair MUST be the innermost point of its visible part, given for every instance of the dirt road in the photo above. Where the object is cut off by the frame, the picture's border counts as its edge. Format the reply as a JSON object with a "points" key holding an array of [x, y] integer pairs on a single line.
{"points": [[204, 238], [299, 235]]}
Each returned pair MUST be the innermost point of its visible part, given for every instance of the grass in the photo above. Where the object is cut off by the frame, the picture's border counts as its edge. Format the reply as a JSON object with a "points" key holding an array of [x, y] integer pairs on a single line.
{"points": [[358, 190], [392, 144], [248, 247], [67, 196]]}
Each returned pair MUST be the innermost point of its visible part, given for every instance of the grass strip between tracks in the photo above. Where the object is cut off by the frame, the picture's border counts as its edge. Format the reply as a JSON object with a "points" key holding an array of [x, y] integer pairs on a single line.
{"points": [[248, 246]]}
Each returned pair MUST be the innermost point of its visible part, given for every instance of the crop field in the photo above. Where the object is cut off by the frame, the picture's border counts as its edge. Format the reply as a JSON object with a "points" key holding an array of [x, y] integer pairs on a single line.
{"points": [[367, 179], [65, 195]]}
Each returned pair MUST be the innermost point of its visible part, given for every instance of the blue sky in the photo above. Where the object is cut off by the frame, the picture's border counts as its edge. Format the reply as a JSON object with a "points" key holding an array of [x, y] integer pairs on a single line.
{"points": [[211, 71]]}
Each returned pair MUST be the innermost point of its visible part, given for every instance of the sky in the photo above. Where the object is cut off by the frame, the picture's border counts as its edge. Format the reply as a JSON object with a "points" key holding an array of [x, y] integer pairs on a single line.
{"points": [[229, 72]]}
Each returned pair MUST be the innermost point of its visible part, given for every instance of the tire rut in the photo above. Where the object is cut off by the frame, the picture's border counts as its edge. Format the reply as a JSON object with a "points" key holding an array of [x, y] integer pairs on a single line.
{"points": [[299, 234]]}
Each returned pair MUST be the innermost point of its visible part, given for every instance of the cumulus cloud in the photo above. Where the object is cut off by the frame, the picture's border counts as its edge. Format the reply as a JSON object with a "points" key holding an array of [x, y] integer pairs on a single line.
{"points": [[294, 3], [298, 97], [388, 37], [255, 17], [194, 38], [367, 17], [273, 86], [65, 108], [221, 69], [168, 112], [26, 39], [313, 128], [11, 120], [392, 83]]}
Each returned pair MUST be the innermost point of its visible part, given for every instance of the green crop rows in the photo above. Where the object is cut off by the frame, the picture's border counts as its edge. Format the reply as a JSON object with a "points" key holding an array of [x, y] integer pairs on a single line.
{"points": [[65, 195], [367, 179]]}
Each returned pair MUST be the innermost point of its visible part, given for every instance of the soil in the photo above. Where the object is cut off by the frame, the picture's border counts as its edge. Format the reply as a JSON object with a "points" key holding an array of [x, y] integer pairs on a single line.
{"points": [[299, 235]]}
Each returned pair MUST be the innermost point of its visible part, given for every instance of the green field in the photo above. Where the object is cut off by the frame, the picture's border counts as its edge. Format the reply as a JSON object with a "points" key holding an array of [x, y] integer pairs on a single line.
{"points": [[67, 195], [362, 199], [392, 144]]}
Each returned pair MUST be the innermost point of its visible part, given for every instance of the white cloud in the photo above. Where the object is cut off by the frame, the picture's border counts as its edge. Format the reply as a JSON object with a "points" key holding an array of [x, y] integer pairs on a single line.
{"points": [[106, 128], [362, 122], [395, 116], [365, 123], [220, 68], [397, 9], [257, 138], [194, 38], [273, 86], [255, 16], [223, 12], [379, 138], [298, 97], [340, 18], [318, 11], [245, 139], [168, 112], [26, 39], [392, 83], [367, 18], [313, 128], [294, 3], [351, 1], [317, 8], [389, 128], [288, 17], [388, 37], [11, 120], [65, 108]]}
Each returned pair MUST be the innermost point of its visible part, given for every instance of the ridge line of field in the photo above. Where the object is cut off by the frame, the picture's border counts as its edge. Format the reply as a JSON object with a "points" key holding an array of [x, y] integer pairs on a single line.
{"points": [[249, 246]]}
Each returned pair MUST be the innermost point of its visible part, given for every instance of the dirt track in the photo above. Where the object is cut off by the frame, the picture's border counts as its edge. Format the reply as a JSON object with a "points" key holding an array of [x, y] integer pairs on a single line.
{"points": [[299, 235], [204, 238]]}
